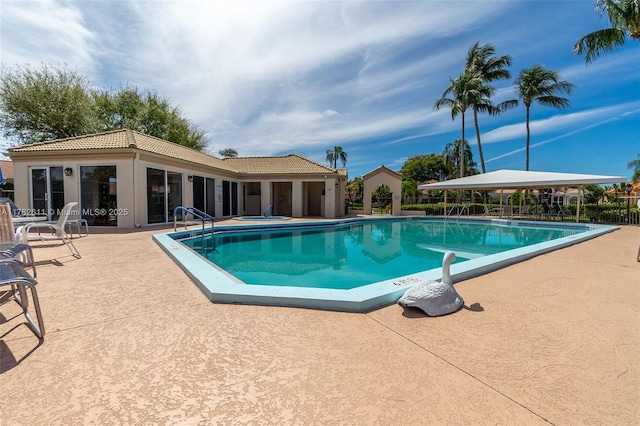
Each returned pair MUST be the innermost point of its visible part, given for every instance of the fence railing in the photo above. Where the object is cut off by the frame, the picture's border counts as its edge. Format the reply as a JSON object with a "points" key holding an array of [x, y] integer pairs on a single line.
{"points": [[618, 212]]}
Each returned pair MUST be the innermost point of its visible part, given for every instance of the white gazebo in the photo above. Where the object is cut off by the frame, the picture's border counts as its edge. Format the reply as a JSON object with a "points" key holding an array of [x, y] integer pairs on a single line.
{"points": [[519, 179]]}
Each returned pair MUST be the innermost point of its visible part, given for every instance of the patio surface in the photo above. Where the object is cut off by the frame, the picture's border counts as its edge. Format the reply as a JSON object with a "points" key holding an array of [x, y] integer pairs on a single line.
{"points": [[131, 340]]}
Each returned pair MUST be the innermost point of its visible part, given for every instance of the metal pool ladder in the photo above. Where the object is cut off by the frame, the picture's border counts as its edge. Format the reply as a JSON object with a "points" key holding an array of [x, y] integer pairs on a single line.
{"points": [[460, 211], [197, 214]]}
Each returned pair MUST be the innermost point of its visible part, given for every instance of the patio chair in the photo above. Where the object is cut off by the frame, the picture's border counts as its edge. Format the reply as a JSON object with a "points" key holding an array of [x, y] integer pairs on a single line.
{"points": [[491, 211], [552, 211], [79, 222], [12, 274], [10, 246], [56, 231], [507, 211]]}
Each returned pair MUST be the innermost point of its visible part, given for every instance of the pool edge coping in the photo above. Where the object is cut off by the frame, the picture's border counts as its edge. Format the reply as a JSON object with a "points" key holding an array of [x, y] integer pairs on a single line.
{"points": [[220, 287]]}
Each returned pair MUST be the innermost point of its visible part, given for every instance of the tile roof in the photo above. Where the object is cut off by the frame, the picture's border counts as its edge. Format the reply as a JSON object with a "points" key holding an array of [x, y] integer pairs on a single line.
{"points": [[121, 139], [7, 169], [106, 140], [290, 164], [382, 169], [131, 139]]}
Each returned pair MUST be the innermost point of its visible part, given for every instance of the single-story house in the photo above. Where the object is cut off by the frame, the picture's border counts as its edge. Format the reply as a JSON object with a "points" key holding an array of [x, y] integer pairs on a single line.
{"points": [[129, 179], [6, 178]]}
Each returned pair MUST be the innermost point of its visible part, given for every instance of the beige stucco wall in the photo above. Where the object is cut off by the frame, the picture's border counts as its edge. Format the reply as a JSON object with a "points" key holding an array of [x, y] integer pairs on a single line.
{"points": [[131, 176], [124, 175], [382, 177]]}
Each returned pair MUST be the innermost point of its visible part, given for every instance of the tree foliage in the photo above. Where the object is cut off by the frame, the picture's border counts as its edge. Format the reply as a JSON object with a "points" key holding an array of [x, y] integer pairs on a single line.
{"points": [[355, 188], [409, 188], [624, 19], [424, 167], [44, 104], [482, 62], [451, 159], [537, 84], [228, 153], [335, 154], [58, 102], [459, 96], [635, 165]]}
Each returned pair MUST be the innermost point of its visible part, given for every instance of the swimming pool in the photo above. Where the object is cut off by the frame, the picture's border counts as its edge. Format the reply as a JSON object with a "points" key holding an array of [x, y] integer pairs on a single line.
{"points": [[355, 264]]}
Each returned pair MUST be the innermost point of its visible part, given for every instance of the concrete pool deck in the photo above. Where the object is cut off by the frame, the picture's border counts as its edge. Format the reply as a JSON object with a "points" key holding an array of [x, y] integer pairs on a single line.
{"points": [[130, 339]]}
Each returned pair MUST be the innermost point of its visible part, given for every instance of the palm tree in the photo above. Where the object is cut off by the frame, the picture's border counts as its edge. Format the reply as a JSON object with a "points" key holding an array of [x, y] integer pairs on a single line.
{"points": [[228, 153], [635, 165], [624, 17], [482, 61], [452, 159], [463, 91], [540, 85], [335, 154]]}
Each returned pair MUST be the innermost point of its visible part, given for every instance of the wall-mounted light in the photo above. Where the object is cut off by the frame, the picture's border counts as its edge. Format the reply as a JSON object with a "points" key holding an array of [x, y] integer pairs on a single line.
{"points": [[190, 177], [68, 171]]}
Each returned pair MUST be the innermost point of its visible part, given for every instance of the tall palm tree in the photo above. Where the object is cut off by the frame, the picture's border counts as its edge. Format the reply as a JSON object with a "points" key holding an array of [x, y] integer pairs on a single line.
{"points": [[635, 165], [482, 61], [537, 84], [462, 92], [624, 18], [335, 154]]}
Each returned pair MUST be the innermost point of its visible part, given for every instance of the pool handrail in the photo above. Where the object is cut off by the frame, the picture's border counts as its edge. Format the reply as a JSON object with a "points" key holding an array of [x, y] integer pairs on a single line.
{"points": [[199, 214], [459, 210], [264, 213]]}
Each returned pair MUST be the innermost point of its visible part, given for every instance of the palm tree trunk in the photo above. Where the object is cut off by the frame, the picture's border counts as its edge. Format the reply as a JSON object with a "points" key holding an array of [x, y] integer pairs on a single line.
{"points": [[475, 120], [462, 148], [528, 139]]}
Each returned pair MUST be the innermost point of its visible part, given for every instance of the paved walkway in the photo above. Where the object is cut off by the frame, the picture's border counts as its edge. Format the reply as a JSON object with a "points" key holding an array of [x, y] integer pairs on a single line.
{"points": [[130, 340]]}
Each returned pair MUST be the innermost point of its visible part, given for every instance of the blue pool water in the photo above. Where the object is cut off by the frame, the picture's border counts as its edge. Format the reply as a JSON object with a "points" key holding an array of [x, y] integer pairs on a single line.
{"points": [[354, 255], [365, 263], [262, 218]]}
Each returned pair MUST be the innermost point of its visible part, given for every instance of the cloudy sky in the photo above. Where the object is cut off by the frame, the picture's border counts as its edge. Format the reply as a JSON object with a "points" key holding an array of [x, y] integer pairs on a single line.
{"points": [[276, 77]]}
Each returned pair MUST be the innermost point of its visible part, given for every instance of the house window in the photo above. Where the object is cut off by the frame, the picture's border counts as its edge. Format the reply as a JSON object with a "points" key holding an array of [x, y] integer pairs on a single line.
{"points": [[204, 195], [98, 195]]}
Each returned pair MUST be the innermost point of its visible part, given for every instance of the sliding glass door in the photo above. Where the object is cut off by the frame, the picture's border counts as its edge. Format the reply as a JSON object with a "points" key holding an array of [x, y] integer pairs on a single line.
{"points": [[99, 195], [164, 193], [47, 191]]}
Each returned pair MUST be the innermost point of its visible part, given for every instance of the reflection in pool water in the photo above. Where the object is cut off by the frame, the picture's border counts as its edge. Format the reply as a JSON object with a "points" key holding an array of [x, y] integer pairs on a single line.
{"points": [[355, 255]]}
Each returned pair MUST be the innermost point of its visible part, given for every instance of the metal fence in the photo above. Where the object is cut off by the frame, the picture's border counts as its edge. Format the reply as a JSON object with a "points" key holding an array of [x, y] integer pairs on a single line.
{"points": [[619, 211]]}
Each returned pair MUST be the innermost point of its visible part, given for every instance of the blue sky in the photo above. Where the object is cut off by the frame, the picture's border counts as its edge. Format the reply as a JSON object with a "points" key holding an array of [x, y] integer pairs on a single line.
{"points": [[273, 78]]}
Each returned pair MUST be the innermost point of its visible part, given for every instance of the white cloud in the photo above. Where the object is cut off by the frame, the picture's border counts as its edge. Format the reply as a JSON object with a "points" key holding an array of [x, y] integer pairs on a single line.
{"points": [[271, 77], [560, 122], [45, 31]]}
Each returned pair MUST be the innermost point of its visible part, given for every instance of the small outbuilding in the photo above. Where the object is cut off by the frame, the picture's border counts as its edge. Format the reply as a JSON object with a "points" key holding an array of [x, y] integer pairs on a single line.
{"points": [[383, 176]]}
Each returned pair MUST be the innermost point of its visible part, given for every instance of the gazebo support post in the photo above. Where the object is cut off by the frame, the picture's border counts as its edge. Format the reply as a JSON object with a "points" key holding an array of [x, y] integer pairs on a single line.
{"points": [[578, 207], [444, 212]]}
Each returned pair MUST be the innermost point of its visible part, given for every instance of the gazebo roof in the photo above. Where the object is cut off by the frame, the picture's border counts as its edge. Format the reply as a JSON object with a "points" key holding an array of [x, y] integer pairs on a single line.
{"points": [[522, 179]]}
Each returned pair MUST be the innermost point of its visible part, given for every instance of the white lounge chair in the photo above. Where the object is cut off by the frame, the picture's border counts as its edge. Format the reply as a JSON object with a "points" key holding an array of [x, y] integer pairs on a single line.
{"points": [[53, 231], [10, 246]]}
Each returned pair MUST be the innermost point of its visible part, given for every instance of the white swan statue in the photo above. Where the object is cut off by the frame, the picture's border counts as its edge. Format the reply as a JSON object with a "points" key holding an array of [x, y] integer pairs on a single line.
{"points": [[435, 298]]}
